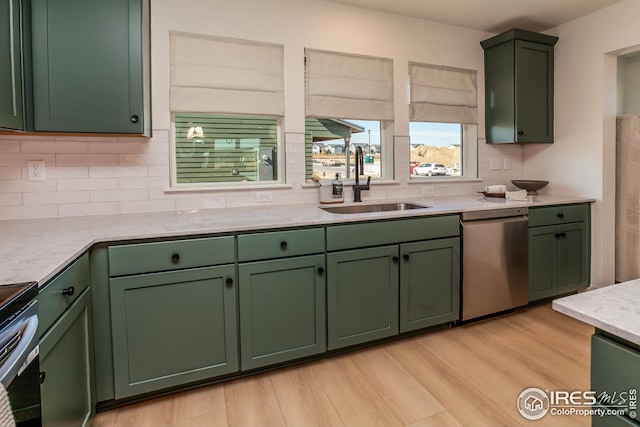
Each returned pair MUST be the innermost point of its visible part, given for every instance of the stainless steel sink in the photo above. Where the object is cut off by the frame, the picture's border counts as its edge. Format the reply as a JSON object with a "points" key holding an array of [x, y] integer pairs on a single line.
{"points": [[378, 207]]}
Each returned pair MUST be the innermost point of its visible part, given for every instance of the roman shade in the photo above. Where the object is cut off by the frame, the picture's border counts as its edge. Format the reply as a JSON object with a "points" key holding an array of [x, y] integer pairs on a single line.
{"points": [[442, 94], [221, 75], [341, 85]]}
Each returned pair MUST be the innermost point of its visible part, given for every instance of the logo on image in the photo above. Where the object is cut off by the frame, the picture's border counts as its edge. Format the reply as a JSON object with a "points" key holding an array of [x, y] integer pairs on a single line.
{"points": [[533, 403]]}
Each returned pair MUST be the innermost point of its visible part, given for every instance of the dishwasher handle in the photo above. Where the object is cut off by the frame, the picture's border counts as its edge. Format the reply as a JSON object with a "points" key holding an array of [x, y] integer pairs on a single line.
{"points": [[494, 213], [25, 329]]}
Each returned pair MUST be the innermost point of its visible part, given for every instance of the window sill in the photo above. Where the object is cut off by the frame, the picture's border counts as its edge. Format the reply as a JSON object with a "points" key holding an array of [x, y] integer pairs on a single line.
{"points": [[441, 179], [243, 187]]}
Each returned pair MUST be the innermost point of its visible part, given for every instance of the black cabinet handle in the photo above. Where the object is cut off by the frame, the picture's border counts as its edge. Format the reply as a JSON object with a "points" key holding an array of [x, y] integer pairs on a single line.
{"points": [[395, 259], [560, 215], [135, 118], [520, 132], [67, 292], [563, 234], [321, 270], [42, 377], [283, 245], [175, 258], [405, 257], [229, 282]]}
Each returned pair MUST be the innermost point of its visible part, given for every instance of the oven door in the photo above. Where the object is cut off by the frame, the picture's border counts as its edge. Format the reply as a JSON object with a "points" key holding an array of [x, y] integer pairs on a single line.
{"points": [[19, 366]]}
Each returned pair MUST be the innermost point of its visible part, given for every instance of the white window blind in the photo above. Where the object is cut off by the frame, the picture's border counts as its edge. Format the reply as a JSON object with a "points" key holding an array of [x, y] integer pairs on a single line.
{"points": [[220, 75], [340, 85], [442, 94]]}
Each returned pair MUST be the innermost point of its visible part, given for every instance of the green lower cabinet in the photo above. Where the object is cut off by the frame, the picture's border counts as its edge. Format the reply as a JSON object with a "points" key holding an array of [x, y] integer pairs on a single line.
{"points": [[558, 259], [362, 295], [66, 364], [173, 328], [429, 283], [615, 378], [282, 310]]}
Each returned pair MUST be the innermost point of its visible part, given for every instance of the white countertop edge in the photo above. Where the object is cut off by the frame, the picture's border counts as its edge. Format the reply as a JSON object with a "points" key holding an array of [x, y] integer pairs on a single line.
{"points": [[38, 249], [614, 309]]}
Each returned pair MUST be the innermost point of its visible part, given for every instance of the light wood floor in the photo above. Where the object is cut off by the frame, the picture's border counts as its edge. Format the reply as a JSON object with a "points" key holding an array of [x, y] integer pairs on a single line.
{"points": [[467, 376]]}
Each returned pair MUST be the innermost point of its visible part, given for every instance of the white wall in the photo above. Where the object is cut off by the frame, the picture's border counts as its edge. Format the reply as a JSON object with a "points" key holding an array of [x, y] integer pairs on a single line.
{"points": [[582, 159], [104, 175]]}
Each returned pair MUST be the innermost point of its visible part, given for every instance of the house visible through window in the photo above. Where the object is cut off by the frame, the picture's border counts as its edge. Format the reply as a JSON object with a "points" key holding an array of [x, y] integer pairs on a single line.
{"points": [[227, 107], [332, 144], [349, 104], [214, 148]]}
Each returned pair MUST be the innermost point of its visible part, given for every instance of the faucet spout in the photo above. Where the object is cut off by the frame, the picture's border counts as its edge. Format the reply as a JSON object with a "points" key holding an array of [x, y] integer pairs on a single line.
{"points": [[358, 188]]}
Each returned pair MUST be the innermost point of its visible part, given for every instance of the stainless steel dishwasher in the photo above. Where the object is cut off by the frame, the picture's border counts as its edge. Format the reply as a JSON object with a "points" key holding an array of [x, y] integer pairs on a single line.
{"points": [[494, 261]]}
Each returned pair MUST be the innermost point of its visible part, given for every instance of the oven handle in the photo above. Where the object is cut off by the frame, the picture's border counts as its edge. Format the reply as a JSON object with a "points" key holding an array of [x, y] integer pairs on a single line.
{"points": [[19, 357]]}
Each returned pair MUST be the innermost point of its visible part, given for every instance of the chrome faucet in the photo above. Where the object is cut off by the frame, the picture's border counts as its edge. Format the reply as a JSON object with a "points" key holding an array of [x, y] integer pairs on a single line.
{"points": [[357, 187]]}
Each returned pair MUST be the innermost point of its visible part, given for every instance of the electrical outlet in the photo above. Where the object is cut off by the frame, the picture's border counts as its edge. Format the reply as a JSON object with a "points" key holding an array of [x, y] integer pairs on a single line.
{"points": [[264, 197], [496, 163], [35, 170], [428, 190]]}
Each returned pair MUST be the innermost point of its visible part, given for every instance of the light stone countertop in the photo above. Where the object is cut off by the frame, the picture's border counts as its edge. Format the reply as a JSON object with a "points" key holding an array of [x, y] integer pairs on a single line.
{"points": [[37, 249], [614, 309]]}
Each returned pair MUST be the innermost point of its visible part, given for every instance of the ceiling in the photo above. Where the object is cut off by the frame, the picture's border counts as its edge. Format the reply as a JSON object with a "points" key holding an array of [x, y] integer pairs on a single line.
{"points": [[493, 16]]}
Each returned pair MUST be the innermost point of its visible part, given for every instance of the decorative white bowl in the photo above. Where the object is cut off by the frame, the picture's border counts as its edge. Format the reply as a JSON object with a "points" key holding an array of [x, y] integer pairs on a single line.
{"points": [[531, 185]]}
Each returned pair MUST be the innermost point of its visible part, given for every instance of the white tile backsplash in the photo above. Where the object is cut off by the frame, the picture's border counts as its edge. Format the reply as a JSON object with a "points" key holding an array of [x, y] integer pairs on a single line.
{"points": [[93, 175]]}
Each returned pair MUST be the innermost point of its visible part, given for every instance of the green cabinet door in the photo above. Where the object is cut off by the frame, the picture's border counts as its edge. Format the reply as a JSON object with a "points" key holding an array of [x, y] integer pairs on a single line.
{"points": [[362, 295], [534, 92], [11, 65], [282, 310], [558, 259], [543, 257], [519, 87], [429, 283], [172, 328], [88, 65], [573, 257], [66, 363]]}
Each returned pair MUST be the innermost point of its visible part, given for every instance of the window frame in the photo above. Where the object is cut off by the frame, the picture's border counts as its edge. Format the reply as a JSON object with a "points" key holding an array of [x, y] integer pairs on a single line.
{"points": [[225, 185]]}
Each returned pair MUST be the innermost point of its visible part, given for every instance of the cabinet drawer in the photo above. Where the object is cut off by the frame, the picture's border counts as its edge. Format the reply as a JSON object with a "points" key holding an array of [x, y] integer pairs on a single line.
{"points": [[280, 244], [55, 297], [389, 232], [171, 255], [561, 214]]}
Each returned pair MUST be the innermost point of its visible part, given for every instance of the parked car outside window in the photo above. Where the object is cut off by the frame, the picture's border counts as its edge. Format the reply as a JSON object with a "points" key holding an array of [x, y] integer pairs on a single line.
{"points": [[430, 169]]}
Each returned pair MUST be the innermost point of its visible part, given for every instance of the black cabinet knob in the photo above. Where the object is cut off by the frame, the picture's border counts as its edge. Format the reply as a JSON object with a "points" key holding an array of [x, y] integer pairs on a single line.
{"points": [[321, 270], [175, 258], [283, 245], [42, 377], [520, 132], [395, 259], [405, 257], [560, 215], [135, 119], [229, 282], [67, 292]]}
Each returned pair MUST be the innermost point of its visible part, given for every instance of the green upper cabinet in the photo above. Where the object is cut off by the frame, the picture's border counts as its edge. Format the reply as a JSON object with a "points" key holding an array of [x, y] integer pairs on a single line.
{"points": [[519, 87], [13, 63], [90, 66]]}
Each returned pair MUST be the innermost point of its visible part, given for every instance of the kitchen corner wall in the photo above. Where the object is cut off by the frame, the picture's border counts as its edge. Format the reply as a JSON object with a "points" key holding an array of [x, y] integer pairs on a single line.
{"points": [[111, 175]]}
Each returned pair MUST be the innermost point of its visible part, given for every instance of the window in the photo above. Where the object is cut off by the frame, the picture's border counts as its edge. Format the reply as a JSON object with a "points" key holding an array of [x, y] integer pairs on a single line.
{"points": [[227, 105], [225, 148], [443, 115], [349, 104], [333, 144]]}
